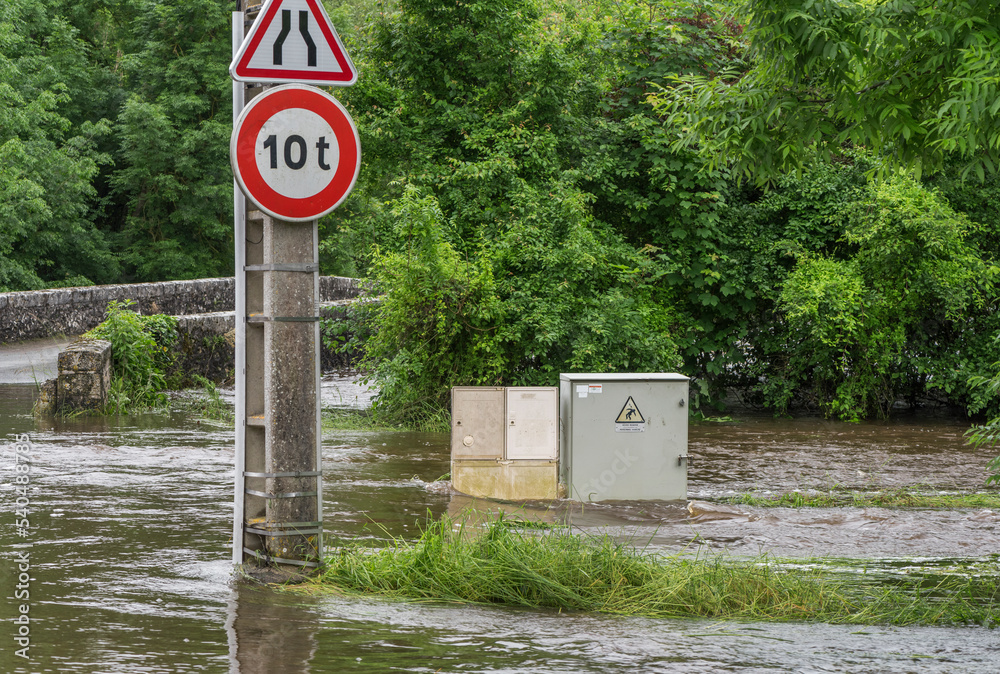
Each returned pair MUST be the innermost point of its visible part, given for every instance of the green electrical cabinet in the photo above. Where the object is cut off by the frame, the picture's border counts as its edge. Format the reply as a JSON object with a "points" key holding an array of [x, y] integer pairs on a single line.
{"points": [[624, 436]]}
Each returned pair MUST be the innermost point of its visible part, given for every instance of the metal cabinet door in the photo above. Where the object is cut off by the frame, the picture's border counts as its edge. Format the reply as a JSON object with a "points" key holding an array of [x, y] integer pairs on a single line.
{"points": [[477, 422], [532, 427]]}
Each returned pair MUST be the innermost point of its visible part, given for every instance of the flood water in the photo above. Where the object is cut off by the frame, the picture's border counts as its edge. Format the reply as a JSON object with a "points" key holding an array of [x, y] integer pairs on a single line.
{"points": [[129, 549]]}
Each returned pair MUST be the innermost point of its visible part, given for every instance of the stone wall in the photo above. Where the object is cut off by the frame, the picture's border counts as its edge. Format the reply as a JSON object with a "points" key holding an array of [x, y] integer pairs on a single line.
{"points": [[73, 311], [206, 344], [84, 378]]}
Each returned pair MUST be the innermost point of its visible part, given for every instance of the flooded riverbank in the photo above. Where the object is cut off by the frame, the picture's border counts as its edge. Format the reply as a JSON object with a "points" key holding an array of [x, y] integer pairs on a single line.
{"points": [[131, 522]]}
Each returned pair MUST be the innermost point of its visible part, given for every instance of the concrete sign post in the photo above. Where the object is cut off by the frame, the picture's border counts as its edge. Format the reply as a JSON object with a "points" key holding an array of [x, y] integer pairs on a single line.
{"points": [[295, 154]]}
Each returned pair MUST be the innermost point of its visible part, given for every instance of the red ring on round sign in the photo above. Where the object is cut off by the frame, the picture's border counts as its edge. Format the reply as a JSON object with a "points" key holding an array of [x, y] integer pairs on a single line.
{"points": [[243, 155]]}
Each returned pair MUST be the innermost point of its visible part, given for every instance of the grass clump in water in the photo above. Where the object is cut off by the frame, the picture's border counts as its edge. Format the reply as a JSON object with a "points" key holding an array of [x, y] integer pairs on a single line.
{"points": [[350, 420], [369, 419], [207, 402], [501, 564], [890, 498]]}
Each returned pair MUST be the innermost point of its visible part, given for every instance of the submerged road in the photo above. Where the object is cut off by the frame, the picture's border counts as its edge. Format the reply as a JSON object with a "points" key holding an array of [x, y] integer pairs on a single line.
{"points": [[130, 555], [32, 361]]}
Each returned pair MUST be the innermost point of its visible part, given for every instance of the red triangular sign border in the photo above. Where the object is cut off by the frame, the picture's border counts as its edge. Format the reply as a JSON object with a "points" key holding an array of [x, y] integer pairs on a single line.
{"points": [[241, 71]]}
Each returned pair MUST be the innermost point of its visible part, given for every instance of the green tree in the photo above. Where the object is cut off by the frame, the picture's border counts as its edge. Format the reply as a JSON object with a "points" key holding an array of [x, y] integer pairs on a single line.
{"points": [[657, 194], [914, 82], [470, 99], [172, 177], [870, 293], [47, 160], [476, 119]]}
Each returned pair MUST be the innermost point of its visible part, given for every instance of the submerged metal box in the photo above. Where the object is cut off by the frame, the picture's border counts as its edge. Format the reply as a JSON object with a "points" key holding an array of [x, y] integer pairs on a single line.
{"points": [[477, 422], [532, 423], [505, 441], [624, 436], [506, 480]]}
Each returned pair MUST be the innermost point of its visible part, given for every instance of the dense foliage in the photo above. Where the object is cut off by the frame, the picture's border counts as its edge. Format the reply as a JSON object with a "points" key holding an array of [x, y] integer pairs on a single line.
{"points": [[874, 298], [792, 201], [114, 131], [49, 161], [914, 80], [830, 289]]}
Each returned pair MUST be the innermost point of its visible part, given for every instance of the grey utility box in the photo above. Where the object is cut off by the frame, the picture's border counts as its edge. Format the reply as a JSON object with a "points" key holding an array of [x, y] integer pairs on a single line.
{"points": [[505, 441], [624, 436]]}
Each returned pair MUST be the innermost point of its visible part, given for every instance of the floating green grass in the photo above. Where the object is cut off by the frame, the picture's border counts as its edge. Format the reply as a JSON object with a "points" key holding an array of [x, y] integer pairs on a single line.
{"points": [[207, 403], [556, 569], [891, 498], [351, 420], [369, 419]]}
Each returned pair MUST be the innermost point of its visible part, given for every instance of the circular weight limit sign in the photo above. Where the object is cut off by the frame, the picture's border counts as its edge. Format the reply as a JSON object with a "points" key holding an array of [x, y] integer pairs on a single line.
{"points": [[295, 152]]}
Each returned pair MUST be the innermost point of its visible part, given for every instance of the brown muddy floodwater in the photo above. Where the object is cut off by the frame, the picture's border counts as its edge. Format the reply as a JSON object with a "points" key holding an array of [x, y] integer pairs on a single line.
{"points": [[130, 522]]}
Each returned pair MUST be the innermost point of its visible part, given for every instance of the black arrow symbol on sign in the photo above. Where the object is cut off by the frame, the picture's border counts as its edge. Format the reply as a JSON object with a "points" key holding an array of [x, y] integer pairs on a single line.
{"points": [[310, 45], [286, 27]]}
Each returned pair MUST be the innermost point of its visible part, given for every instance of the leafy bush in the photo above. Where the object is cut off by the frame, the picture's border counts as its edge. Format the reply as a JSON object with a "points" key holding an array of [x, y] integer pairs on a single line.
{"points": [[552, 294], [434, 325], [988, 433], [141, 355], [871, 293]]}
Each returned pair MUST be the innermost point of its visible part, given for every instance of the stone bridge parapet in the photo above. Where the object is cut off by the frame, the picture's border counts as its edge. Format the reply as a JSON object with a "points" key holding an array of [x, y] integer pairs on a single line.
{"points": [[84, 378], [73, 311]]}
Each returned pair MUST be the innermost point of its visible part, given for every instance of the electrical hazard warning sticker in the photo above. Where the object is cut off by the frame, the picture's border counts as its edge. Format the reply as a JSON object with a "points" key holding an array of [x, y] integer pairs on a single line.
{"points": [[630, 419]]}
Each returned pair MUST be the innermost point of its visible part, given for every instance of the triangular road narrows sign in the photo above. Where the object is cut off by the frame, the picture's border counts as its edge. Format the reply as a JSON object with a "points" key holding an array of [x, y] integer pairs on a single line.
{"points": [[293, 41]]}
